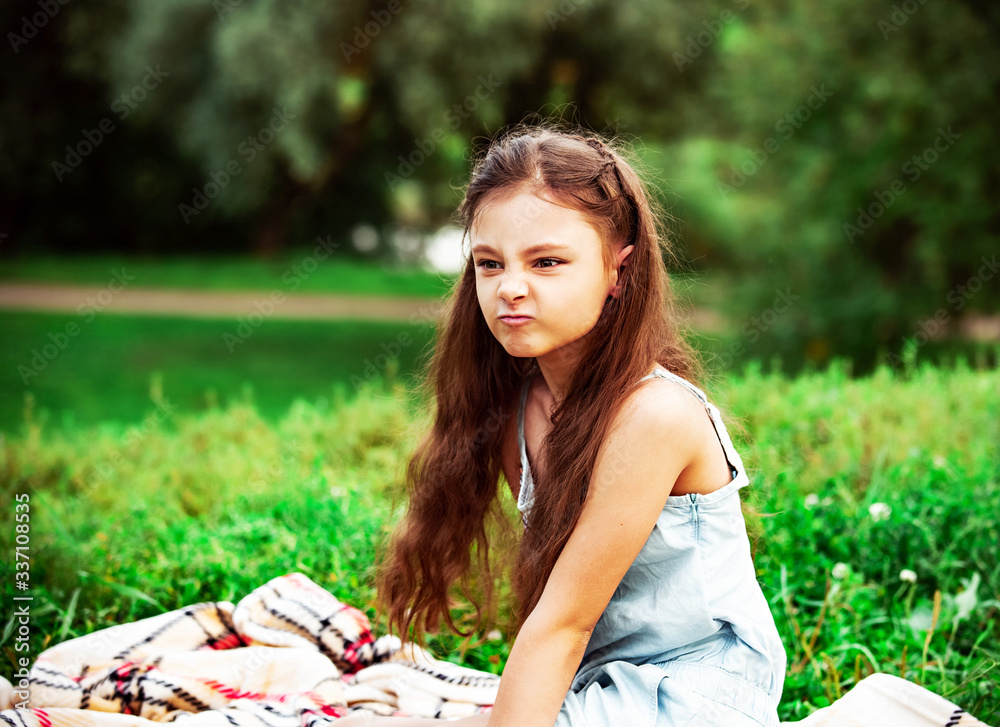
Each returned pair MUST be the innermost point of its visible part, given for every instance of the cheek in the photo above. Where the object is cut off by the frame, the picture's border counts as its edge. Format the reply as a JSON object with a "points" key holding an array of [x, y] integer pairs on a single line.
{"points": [[487, 306], [482, 293]]}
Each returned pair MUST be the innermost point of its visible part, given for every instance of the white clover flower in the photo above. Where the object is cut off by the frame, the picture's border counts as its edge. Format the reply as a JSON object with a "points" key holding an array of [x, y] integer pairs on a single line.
{"points": [[812, 500], [907, 576], [879, 511], [967, 599], [841, 571], [494, 635]]}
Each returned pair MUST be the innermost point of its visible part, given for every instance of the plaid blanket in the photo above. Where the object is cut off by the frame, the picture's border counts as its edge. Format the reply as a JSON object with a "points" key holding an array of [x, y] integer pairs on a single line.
{"points": [[288, 654]]}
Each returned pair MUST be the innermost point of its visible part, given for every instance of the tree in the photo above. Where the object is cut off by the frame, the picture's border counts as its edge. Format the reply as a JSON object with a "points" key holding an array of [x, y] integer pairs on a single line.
{"points": [[875, 199]]}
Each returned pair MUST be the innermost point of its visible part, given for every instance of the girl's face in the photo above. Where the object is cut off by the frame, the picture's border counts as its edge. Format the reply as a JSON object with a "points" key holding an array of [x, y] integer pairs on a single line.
{"points": [[541, 276]]}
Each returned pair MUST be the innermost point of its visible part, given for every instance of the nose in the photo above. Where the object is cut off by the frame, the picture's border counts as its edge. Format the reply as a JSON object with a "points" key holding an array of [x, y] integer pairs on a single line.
{"points": [[512, 287]]}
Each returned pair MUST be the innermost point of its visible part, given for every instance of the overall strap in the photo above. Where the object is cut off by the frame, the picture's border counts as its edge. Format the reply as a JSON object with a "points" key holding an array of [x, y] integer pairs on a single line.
{"points": [[732, 456], [664, 374]]}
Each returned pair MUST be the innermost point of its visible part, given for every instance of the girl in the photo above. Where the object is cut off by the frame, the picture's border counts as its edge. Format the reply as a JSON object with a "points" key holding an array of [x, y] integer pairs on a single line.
{"points": [[561, 367]]}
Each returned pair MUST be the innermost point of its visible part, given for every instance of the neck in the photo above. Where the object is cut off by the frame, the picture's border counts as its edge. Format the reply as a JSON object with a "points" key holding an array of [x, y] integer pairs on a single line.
{"points": [[557, 368]]}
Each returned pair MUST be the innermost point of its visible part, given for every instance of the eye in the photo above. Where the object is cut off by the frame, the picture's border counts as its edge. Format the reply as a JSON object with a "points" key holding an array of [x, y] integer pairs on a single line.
{"points": [[545, 262], [553, 262]]}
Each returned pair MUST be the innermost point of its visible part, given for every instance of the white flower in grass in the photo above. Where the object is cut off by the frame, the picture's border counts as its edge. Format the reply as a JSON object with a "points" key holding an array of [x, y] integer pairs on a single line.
{"points": [[879, 511], [841, 571], [907, 576], [811, 501], [494, 635], [967, 599]]}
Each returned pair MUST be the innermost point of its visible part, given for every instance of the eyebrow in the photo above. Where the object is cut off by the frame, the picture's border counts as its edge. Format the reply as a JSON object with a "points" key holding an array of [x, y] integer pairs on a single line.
{"points": [[528, 252]]}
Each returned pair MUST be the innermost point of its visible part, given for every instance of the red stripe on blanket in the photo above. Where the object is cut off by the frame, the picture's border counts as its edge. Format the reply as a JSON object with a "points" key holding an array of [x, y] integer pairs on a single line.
{"points": [[231, 641], [43, 717], [237, 694], [232, 693], [351, 654]]}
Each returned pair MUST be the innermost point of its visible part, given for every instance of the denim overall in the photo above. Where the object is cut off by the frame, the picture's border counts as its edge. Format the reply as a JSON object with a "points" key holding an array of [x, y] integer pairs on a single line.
{"points": [[687, 638]]}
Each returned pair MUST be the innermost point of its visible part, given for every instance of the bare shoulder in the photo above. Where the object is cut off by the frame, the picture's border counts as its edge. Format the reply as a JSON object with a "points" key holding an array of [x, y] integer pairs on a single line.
{"points": [[663, 407], [677, 419], [654, 437]]}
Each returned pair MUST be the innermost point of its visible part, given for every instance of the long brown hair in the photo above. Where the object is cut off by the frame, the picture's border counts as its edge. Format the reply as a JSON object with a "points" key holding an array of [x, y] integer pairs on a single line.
{"points": [[453, 477]]}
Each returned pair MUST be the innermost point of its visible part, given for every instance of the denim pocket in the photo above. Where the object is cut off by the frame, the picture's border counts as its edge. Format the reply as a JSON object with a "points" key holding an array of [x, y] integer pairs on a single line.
{"points": [[716, 714], [752, 664]]}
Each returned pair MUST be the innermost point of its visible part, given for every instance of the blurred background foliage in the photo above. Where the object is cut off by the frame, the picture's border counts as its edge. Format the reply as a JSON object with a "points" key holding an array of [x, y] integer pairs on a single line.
{"points": [[781, 135], [831, 173]]}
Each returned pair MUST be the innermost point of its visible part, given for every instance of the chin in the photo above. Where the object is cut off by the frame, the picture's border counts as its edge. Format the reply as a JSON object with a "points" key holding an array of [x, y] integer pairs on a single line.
{"points": [[519, 348]]}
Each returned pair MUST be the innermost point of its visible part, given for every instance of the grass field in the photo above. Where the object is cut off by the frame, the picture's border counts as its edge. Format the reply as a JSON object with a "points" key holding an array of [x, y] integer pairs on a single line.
{"points": [[105, 371], [856, 482], [292, 272]]}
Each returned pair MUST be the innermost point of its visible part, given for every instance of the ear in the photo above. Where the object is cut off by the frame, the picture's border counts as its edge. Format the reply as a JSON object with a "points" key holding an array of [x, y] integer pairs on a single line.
{"points": [[616, 290], [624, 253]]}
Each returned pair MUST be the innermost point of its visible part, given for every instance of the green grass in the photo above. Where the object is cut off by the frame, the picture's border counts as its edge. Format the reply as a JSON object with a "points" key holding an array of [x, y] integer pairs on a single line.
{"points": [[128, 521], [292, 273], [104, 372], [924, 444]]}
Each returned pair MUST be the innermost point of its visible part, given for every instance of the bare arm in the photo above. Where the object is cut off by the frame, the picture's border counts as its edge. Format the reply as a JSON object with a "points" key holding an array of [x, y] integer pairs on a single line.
{"points": [[650, 443]]}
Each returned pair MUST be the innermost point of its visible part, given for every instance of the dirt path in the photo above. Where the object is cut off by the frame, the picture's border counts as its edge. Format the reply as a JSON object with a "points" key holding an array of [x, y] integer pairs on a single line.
{"points": [[236, 304], [212, 304]]}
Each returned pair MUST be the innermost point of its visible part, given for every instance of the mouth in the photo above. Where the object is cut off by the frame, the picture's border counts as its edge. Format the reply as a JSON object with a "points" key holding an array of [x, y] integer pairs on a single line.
{"points": [[515, 320]]}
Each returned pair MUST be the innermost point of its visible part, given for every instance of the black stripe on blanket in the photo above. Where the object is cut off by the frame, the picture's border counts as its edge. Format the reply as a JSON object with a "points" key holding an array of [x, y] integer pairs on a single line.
{"points": [[187, 612], [182, 694], [463, 680], [17, 713], [303, 631]]}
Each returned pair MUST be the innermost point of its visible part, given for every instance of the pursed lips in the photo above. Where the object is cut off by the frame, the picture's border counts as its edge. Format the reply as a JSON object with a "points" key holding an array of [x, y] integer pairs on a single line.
{"points": [[515, 320]]}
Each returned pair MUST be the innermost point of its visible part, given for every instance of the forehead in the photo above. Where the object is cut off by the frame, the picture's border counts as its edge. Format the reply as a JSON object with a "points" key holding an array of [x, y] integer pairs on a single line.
{"points": [[526, 218]]}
